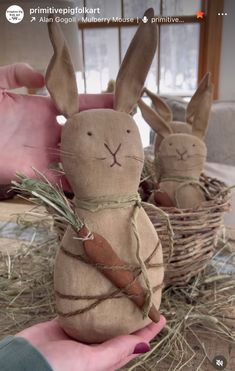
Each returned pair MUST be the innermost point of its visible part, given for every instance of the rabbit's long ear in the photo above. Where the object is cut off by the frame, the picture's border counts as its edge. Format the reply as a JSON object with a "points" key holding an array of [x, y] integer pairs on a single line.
{"points": [[160, 106], [157, 123], [201, 118], [60, 75], [135, 66], [194, 103]]}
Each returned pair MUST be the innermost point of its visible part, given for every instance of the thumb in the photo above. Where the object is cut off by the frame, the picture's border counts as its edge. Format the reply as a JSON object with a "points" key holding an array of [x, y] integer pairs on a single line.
{"points": [[18, 75]]}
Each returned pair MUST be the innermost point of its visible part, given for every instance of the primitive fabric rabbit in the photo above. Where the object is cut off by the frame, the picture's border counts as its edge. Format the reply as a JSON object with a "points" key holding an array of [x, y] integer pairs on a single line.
{"points": [[103, 157], [163, 109], [180, 152]]}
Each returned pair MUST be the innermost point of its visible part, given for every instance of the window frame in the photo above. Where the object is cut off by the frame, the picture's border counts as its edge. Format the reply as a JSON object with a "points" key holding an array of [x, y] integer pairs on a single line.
{"points": [[210, 35]]}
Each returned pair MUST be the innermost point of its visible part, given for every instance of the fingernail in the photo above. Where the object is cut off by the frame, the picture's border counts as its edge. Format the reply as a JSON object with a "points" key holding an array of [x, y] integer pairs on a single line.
{"points": [[141, 348]]}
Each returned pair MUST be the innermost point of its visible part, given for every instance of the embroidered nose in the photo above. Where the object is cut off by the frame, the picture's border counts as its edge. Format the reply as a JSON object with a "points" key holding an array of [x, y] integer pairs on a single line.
{"points": [[181, 154], [114, 154]]}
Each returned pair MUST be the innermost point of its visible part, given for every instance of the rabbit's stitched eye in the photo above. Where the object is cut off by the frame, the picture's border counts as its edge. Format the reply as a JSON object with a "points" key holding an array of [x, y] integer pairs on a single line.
{"points": [[128, 131], [89, 133], [170, 144], [194, 145]]}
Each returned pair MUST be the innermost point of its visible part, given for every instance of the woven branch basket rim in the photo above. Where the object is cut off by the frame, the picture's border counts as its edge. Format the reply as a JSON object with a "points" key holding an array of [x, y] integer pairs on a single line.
{"points": [[222, 200], [195, 232]]}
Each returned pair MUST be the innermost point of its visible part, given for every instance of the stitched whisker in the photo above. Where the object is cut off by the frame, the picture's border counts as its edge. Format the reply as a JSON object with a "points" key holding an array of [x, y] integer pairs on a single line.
{"points": [[197, 155], [135, 158], [55, 151]]}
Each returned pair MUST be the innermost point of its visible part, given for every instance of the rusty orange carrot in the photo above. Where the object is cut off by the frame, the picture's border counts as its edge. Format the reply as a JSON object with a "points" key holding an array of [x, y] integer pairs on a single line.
{"points": [[99, 251]]}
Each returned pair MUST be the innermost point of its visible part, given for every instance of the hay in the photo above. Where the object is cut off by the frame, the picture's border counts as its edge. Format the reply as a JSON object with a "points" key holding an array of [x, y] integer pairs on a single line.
{"points": [[26, 276], [27, 298], [204, 302], [41, 192]]}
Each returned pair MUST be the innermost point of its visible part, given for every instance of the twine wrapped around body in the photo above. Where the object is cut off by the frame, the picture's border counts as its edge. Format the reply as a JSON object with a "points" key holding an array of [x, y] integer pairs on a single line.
{"points": [[102, 154], [129, 280], [135, 279], [123, 201], [183, 181]]}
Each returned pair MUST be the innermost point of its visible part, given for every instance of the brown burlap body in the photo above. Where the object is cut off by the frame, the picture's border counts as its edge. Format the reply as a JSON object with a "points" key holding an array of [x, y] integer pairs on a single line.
{"points": [[114, 316], [103, 158], [179, 148]]}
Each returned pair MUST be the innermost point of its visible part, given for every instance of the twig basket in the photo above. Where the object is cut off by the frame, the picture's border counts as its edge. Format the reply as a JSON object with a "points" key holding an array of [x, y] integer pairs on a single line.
{"points": [[195, 232]]}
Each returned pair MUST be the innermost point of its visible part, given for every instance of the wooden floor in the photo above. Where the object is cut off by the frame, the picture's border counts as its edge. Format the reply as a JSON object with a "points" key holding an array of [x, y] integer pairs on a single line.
{"points": [[212, 345]]}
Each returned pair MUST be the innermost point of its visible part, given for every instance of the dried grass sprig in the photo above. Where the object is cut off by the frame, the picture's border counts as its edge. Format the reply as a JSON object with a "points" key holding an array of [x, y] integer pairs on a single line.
{"points": [[202, 304], [26, 291], [41, 192]]}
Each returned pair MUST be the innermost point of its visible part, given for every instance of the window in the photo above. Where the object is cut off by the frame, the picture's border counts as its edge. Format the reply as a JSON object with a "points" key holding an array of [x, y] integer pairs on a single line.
{"points": [[101, 58], [179, 59], [186, 51], [175, 67]]}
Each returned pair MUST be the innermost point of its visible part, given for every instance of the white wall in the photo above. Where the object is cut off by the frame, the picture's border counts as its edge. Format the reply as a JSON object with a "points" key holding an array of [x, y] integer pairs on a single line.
{"points": [[227, 62]]}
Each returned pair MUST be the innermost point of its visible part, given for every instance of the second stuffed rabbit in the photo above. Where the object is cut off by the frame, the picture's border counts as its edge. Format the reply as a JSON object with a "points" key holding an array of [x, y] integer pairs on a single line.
{"points": [[179, 148]]}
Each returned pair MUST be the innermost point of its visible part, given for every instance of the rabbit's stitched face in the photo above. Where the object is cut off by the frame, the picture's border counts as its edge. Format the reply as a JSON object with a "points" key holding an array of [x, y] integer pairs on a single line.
{"points": [[177, 127], [182, 153], [107, 155]]}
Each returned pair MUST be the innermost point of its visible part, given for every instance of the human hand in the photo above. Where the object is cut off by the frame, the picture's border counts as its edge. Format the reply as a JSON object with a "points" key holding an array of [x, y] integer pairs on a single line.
{"points": [[66, 354], [29, 133]]}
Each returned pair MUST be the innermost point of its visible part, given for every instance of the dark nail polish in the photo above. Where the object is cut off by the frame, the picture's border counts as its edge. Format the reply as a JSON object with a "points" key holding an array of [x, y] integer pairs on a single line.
{"points": [[141, 348]]}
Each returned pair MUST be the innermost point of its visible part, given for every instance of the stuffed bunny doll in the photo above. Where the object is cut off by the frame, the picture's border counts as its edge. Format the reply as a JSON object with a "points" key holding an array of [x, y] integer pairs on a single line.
{"points": [[179, 148], [163, 109], [108, 278]]}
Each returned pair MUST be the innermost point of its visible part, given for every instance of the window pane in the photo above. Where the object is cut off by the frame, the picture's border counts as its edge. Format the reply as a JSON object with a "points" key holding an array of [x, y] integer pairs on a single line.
{"points": [[181, 7], [179, 58], [136, 8], [151, 80], [144, 128], [80, 82], [108, 8], [101, 58]]}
